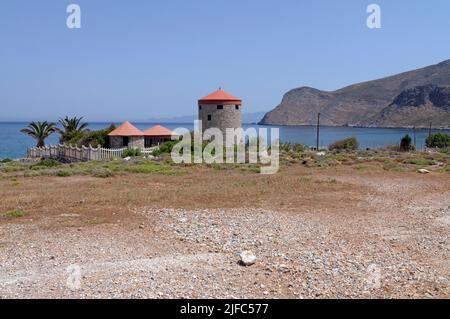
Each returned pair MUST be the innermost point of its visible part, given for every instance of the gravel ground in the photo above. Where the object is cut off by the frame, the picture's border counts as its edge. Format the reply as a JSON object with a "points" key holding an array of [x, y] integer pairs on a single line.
{"points": [[392, 242]]}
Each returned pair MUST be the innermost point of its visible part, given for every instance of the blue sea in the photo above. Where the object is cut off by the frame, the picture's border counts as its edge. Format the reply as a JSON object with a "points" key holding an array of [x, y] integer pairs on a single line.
{"points": [[13, 144]]}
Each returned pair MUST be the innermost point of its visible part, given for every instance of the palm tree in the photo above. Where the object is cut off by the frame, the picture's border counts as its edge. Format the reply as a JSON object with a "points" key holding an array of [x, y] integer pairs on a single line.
{"points": [[71, 127], [39, 131]]}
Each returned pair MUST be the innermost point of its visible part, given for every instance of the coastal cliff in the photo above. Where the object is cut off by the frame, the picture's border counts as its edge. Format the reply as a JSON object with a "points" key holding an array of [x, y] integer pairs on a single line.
{"points": [[408, 99]]}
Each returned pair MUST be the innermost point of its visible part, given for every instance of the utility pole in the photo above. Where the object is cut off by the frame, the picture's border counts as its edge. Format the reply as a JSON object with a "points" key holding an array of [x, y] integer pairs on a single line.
{"points": [[414, 134], [318, 131], [429, 132]]}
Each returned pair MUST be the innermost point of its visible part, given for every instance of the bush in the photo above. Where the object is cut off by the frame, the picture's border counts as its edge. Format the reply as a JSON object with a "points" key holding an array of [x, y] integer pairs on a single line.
{"points": [[93, 138], [6, 160], [438, 140], [405, 144], [45, 163], [348, 144], [131, 152], [165, 148], [63, 173], [102, 172], [420, 161], [296, 148], [14, 213]]}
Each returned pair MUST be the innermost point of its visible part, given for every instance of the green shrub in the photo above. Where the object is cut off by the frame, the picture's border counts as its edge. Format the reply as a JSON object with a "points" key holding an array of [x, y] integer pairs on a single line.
{"points": [[132, 152], [12, 166], [93, 138], [420, 162], [63, 173], [32, 173], [150, 167], [6, 160], [405, 144], [102, 172], [348, 144], [14, 213], [45, 163], [165, 148], [292, 147], [438, 140]]}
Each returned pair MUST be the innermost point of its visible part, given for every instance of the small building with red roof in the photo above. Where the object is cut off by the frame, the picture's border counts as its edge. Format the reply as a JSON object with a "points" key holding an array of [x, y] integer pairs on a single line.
{"points": [[126, 135], [220, 110], [157, 135]]}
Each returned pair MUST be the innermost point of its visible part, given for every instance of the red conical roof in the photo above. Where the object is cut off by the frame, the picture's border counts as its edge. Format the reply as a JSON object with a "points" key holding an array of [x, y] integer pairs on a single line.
{"points": [[126, 129], [158, 130], [219, 96]]}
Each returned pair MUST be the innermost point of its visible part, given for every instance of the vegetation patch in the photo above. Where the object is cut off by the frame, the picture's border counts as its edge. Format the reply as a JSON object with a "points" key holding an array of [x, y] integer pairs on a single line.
{"points": [[17, 213], [405, 144], [419, 161], [348, 144], [132, 152], [438, 140], [12, 166], [165, 148], [45, 163], [149, 167], [92, 138], [64, 173], [102, 172]]}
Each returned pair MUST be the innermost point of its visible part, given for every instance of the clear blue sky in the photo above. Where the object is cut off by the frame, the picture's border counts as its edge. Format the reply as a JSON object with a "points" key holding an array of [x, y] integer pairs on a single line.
{"points": [[142, 59]]}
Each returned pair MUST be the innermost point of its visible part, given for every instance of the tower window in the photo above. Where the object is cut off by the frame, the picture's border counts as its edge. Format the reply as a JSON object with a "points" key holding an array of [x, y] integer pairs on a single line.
{"points": [[209, 117], [220, 107], [237, 107], [199, 107]]}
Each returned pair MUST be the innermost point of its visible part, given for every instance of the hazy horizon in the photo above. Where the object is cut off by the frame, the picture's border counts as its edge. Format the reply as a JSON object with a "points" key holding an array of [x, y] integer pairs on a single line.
{"points": [[150, 60]]}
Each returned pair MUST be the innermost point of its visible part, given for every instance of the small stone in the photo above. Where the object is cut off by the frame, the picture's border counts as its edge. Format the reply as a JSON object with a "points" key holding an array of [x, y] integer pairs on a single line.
{"points": [[423, 171], [141, 226], [247, 258], [321, 154]]}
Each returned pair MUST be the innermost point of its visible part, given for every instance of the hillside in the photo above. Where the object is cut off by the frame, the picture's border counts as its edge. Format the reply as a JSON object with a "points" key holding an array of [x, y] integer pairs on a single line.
{"points": [[373, 103]]}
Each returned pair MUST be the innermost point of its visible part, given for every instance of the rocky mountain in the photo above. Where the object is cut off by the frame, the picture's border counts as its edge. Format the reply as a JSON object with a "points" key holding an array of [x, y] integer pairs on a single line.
{"points": [[417, 106], [411, 98]]}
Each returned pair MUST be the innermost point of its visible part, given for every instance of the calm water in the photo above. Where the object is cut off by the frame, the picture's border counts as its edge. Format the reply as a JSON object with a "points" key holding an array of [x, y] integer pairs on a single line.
{"points": [[13, 144]]}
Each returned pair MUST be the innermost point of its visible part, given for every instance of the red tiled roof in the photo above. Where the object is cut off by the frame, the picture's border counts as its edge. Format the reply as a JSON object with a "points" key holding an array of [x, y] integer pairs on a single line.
{"points": [[158, 130], [126, 129], [219, 96]]}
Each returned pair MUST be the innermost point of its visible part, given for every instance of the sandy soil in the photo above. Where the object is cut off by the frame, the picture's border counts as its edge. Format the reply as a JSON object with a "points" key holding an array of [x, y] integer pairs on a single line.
{"points": [[317, 233]]}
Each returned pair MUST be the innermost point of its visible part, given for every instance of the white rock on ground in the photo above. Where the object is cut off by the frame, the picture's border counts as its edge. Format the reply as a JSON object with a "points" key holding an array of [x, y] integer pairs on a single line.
{"points": [[423, 171], [247, 258]]}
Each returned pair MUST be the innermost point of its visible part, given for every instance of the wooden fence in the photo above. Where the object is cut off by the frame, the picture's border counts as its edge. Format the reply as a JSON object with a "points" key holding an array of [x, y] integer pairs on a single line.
{"points": [[76, 154]]}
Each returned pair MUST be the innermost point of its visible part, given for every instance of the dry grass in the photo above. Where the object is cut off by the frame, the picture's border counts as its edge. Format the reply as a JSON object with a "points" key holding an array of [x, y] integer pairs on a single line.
{"points": [[304, 180], [352, 214], [198, 187]]}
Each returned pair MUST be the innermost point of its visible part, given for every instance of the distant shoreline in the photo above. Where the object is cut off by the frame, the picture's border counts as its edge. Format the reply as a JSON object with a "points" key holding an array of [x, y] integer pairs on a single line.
{"points": [[356, 126], [270, 125]]}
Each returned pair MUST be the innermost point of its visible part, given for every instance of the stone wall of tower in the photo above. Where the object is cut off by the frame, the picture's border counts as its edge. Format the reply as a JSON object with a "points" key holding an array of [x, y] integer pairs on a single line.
{"points": [[228, 117]]}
